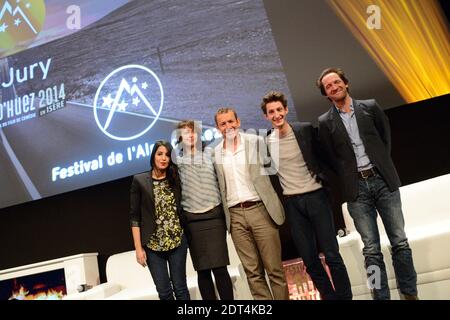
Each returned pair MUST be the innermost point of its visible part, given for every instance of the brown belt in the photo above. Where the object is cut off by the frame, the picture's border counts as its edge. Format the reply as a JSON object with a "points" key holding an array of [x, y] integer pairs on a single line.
{"points": [[246, 204], [364, 174], [287, 196]]}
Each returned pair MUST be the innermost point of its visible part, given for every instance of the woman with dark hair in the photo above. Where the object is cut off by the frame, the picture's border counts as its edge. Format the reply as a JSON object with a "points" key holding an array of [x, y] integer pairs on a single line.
{"points": [[203, 213], [157, 224]]}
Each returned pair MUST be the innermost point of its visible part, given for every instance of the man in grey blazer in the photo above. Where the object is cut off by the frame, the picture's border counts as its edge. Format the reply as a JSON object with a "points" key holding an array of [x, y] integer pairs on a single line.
{"points": [[355, 135], [252, 209]]}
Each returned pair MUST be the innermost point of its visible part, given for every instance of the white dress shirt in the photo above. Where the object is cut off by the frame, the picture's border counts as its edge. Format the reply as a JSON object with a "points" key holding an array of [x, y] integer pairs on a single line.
{"points": [[239, 185]]}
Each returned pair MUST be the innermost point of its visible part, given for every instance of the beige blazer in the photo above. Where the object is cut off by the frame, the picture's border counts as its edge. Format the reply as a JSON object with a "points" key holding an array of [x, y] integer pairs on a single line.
{"points": [[260, 180]]}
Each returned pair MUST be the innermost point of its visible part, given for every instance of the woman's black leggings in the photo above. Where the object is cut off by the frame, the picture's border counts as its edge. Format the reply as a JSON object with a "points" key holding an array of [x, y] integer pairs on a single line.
{"points": [[223, 283]]}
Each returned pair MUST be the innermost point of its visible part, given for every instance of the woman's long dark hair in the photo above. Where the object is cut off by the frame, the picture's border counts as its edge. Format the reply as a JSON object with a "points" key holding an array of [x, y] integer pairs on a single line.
{"points": [[172, 170]]}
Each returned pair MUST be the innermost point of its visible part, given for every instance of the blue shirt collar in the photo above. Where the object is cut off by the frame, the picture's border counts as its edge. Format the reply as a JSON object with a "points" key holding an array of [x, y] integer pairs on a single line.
{"points": [[351, 108]]}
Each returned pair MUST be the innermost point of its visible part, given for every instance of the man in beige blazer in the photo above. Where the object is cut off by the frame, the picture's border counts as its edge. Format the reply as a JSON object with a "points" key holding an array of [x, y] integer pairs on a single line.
{"points": [[252, 209]]}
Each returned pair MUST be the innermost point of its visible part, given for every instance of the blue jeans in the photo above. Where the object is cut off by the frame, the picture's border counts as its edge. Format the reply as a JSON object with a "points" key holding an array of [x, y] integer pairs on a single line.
{"points": [[373, 196], [172, 262], [311, 221]]}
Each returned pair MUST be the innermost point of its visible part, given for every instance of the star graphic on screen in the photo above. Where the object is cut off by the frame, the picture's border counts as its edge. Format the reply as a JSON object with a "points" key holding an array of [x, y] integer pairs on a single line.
{"points": [[134, 79], [144, 85], [107, 101], [17, 22], [28, 5], [3, 27], [122, 105], [136, 101]]}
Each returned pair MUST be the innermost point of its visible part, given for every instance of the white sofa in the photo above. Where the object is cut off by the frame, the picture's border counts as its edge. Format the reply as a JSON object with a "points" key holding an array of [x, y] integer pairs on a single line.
{"points": [[426, 208], [128, 280]]}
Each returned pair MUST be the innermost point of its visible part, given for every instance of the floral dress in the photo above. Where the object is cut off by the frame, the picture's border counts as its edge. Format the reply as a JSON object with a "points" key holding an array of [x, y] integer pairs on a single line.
{"points": [[168, 232]]}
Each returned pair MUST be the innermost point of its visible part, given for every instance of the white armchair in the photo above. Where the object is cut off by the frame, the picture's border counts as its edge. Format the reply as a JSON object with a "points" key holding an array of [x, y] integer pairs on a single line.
{"points": [[426, 208], [128, 280]]}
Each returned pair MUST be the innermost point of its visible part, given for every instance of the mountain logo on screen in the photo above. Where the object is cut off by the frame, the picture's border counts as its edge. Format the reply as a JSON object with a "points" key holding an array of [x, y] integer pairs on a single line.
{"points": [[20, 24], [128, 102]]}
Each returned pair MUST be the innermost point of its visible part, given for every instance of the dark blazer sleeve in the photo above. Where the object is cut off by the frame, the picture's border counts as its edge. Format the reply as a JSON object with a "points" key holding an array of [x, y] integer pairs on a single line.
{"points": [[311, 150], [326, 151], [382, 125], [315, 141], [135, 203], [317, 148]]}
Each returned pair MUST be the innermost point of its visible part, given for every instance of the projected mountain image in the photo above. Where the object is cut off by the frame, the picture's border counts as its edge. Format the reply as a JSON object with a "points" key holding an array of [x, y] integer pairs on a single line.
{"points": [[206, 55], [137, 102], [81, 122], [28, 24]]}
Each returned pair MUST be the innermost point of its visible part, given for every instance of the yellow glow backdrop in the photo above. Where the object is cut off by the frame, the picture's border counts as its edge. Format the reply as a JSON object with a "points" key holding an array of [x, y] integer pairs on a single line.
{"points": [[412, 47]]}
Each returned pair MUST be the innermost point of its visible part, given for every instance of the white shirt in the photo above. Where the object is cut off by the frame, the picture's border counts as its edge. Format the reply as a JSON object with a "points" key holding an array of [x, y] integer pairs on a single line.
{"points": [[239, 185]]}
